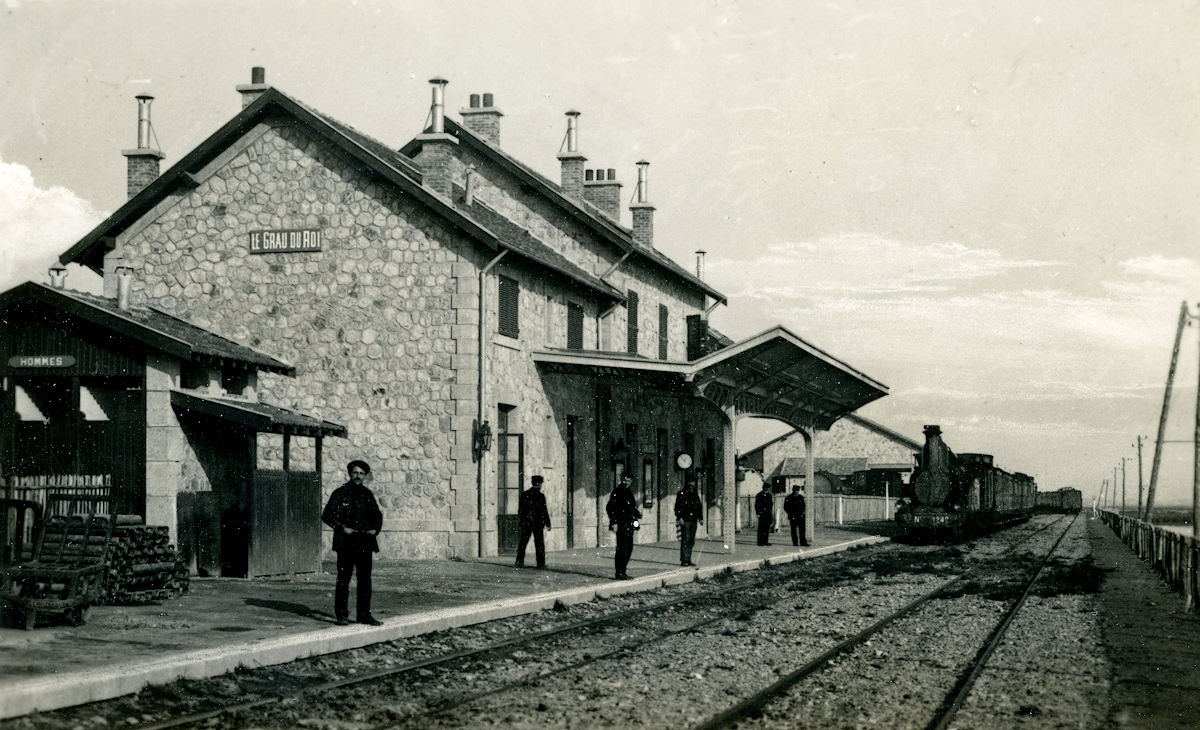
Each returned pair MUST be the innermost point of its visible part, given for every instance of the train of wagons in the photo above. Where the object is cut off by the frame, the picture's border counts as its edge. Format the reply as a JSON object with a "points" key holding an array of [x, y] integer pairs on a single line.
{"points": [[952, 496]]}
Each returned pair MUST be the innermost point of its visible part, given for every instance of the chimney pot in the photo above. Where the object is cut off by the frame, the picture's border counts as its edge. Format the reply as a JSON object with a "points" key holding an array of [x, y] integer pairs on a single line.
{"points": [[700, 264], [58, 276], [438, 110], [142, 161], [483, 119], [588, 175], [642, 210], [254, 89], [612, 174], [124, 280], [572, 161], [469, 187]]}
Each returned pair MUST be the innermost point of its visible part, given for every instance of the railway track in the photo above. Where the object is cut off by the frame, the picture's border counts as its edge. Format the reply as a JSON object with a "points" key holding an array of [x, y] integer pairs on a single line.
{"points": [[754, 706], [486, 681]]}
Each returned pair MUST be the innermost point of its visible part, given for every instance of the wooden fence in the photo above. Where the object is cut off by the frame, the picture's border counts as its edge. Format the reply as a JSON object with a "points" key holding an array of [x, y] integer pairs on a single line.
{"points": [[24, 500], [1173, 556], [839, 509]]}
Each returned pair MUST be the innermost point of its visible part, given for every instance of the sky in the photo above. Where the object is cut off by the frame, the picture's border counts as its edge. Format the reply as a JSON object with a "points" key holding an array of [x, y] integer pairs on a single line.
{"points": [[992, 208]]}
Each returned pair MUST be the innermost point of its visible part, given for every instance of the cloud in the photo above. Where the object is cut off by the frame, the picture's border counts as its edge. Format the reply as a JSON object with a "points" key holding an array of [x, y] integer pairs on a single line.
{"points": [[36, 225], [1163, 268], [865, 264]]}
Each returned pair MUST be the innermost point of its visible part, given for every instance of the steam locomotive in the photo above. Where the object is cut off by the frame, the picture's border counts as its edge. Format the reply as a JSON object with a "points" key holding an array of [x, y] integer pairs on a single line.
{"points": [[952, 496]]}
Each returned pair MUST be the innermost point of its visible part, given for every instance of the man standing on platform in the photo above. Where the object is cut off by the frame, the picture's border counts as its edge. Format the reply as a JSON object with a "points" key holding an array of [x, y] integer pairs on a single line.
{"points": [[623, 516], [793, 505], [356, 521], [764, 507], [688, 511], [533, 515]]}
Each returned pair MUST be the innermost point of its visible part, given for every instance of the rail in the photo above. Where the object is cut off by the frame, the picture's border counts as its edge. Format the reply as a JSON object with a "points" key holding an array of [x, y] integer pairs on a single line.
{"points": [[1173, 556]]}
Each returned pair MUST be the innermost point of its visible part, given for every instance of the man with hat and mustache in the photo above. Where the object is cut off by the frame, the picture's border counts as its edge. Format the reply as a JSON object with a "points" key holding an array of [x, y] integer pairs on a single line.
{"points": [[356, 521]]}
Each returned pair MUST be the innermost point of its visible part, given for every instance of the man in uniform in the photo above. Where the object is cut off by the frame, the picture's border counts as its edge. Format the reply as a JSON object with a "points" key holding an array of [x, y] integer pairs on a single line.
{"points": [[356, 521], [764, 507], [793, 505], [533, 515], [688, 511], [623, 516]]}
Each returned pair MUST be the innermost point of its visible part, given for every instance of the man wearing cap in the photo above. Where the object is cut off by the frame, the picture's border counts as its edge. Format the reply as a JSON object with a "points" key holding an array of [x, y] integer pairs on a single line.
{"points": [[689, 511], [793, 505], [623, 516], [356, 521], [533, 515], [764, 507]]}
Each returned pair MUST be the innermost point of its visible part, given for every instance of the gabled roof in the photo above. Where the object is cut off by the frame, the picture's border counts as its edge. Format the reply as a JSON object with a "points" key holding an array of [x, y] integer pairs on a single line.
{"points": [[866, 423], [774, 373], [580, 210], [261, 417], [524, 243], [840, 465], [152, 327], [375, 156]]}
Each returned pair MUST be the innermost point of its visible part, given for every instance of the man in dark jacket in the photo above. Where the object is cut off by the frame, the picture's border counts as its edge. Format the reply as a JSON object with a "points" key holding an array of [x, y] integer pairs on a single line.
{"points": [[689, 512], [793, 505], [764, 507], [356, 521], [533, 515], [623, 516]]}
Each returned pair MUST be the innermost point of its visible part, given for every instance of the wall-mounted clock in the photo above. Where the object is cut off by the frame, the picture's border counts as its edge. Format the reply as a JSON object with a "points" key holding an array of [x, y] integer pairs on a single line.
{"points": [[684, 461]]}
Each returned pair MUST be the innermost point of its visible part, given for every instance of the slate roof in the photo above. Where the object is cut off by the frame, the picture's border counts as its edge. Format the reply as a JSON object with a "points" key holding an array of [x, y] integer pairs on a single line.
{"points": [[389, 164], [524, 243], [842, 466], [586, 213], [150, 326], [261, 417]]}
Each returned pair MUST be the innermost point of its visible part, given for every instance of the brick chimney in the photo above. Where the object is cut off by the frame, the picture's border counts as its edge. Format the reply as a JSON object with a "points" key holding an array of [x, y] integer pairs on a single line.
{"points": [[572, 159], [437, 147], [142, 162], [642, 210], [258, 84], [483, 119], [601, 189]]}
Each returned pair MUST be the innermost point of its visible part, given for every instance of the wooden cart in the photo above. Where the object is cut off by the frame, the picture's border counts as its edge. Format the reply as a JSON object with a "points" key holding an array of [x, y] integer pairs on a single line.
{"points": [[68, 569]]}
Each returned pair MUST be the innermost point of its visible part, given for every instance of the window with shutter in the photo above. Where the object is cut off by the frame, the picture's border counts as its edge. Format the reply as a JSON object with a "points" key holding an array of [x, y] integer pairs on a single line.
{"points": [[631, 309], [663, 321], [510, 294], [574, 326]]}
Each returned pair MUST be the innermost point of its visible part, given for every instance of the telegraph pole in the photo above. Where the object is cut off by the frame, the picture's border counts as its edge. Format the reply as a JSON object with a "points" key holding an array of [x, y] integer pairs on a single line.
{"points": [[1123, 460], [1196, 465], [1162, 420], [1139, 448], [1114, 487]]}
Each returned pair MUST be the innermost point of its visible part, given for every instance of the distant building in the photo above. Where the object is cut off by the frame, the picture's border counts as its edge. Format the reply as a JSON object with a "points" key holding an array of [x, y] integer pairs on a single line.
{"points": [[858, 456]]}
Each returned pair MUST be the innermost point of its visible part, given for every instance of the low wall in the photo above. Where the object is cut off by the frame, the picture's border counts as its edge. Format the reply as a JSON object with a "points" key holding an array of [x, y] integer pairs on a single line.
{"points": [[1173, 556]]}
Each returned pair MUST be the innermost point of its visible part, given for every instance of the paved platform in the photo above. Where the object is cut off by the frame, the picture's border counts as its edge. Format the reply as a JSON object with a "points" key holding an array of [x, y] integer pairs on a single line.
{"points": [[1152, 643], [223, 623]]}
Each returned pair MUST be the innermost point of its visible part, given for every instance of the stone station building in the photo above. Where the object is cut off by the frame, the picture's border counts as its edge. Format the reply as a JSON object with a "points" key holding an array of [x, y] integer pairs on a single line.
{"points": [[469, 321]]}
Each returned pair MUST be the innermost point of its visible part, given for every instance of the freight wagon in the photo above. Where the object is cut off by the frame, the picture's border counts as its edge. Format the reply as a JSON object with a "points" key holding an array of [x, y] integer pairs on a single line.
{"points": [[1066, 500], [952, 496]]}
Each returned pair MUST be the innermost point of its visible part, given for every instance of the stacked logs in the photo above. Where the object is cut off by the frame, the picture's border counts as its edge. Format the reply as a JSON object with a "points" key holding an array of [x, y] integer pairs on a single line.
{"points": [[142, 564]]}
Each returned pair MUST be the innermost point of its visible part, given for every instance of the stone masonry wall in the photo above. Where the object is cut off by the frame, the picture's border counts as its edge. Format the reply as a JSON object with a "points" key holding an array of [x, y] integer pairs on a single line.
{"points": [[846, 438], [580, 245], [373, 322]]}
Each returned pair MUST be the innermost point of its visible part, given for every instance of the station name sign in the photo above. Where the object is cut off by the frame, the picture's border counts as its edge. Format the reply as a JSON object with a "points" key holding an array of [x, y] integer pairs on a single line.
{"points": [[289, 241], [41, 361]]}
